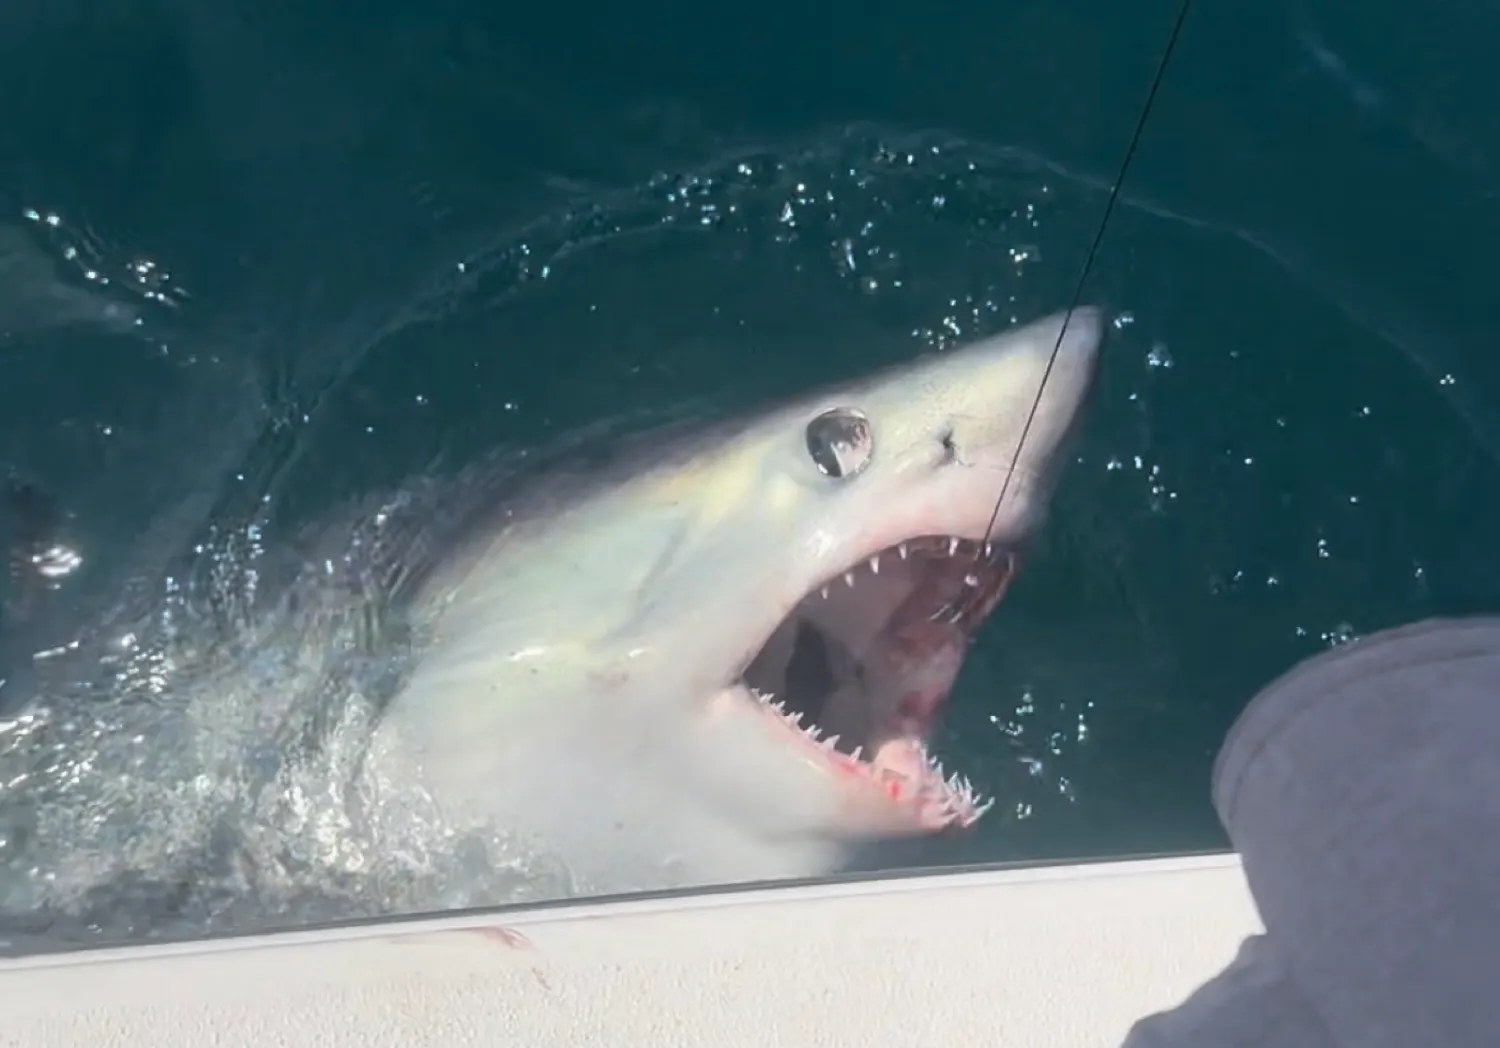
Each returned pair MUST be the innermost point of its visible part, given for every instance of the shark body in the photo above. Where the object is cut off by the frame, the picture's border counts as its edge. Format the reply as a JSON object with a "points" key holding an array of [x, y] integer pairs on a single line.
{"points": [[725, 663], [715, 655]]}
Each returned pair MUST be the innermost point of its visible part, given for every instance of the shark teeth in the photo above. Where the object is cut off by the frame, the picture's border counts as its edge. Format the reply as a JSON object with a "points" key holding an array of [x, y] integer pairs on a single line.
{"points": [[953, 794], [937, 547], [984, 554], [919, 785]]}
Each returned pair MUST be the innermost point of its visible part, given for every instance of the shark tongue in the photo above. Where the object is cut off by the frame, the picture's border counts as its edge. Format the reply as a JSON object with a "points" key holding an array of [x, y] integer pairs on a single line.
{"points": [[906, 774], [903, 757]]}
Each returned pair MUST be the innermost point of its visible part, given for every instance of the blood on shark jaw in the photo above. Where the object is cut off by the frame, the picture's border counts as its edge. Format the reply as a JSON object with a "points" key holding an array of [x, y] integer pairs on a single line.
{"points": [[859, 672]]}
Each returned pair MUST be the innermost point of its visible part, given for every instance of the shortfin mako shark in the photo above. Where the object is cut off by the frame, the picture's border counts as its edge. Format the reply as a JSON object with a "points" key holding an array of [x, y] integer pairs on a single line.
{"points": [[715, 653], [724, 663]]}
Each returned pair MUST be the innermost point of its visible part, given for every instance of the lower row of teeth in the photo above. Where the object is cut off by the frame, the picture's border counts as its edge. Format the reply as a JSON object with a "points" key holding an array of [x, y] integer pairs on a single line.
{"points": [[958, 795]]}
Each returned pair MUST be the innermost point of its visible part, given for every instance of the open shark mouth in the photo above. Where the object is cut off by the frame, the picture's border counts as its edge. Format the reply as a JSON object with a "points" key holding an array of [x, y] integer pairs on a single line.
{"points": [[859, 671]]}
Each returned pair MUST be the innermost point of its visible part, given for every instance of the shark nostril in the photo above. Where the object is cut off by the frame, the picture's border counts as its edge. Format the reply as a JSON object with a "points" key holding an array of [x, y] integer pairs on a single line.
{"points": [[950, 445]]}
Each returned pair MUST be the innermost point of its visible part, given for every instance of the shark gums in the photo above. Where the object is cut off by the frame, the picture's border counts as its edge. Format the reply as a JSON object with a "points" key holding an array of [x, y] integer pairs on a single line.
{"points": [[724, 662]]}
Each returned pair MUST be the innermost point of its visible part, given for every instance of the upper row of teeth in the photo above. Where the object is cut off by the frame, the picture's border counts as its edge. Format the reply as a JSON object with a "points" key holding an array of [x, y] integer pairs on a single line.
{"points": [[903, 551], [959, 795]]}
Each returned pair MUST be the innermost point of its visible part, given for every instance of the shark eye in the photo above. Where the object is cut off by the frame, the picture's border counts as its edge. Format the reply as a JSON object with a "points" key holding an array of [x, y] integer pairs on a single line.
{"points": [[840, 443]]}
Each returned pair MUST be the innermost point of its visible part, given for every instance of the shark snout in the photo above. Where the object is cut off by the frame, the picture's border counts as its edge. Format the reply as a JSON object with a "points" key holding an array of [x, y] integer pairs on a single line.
{"points": [[1033, 383], [1008, 404]]}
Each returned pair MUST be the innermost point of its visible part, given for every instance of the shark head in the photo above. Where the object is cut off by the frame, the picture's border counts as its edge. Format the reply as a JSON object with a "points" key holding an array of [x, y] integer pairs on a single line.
{"points": [[727, 663]]}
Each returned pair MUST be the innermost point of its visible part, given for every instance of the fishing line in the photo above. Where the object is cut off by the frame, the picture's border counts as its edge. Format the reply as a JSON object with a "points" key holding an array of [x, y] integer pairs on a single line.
{"points": [[1088, 261]]}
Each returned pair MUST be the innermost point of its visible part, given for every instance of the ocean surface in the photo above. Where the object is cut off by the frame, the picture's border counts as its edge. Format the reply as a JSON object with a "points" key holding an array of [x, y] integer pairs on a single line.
{"points": [[256, 247]]}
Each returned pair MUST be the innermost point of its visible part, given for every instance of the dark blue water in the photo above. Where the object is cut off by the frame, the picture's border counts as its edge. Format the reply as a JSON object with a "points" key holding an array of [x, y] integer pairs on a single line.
{"points": [[251, 247]]}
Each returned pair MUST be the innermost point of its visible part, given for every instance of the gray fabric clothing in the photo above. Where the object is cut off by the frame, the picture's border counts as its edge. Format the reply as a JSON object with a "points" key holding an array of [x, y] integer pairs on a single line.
{"points": [[1362, 792]]}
